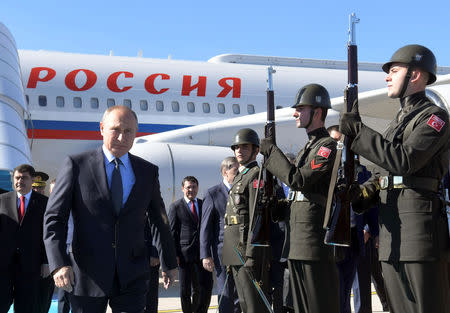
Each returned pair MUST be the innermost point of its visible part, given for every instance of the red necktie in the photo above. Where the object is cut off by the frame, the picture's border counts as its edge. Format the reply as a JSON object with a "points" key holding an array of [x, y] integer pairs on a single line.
{"points": [[21, 208], [194, 211]]}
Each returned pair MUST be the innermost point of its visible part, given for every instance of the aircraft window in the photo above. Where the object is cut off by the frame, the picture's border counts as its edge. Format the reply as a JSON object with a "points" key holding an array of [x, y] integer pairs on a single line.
{"points": [[251, 109], [60, 102], [27, 98], [159, 106], [127, 103], [94, 103], [110, 102], [42, 100], [144, 105], [77, 102], [191, 107], [175, 106], [206, 108], [221, 108], [236, 109]]}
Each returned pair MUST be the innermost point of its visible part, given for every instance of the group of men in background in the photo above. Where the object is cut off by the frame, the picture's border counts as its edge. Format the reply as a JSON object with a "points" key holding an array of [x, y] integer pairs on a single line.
{"points": [[121, 232]]}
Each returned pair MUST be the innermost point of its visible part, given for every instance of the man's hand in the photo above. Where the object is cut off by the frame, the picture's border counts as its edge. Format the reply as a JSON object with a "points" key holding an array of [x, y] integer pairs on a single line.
{"points": [[63, 278], [208, 264], [265, 146], [377, 242], [366, 236], [169, 277], [350, 124], [45, 271], [154, 261]]}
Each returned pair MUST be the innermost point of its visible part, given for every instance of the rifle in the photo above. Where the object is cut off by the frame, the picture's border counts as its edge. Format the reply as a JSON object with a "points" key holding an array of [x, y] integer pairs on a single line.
{"points": [[343, 175], [261, 224]]}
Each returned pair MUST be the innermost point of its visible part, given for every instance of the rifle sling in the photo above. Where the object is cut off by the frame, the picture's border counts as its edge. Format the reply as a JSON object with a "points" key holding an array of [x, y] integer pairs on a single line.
{"points": [[334, 173]]}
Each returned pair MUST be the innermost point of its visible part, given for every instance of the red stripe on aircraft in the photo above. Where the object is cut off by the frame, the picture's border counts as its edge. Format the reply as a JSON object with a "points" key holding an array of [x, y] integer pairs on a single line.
{"points": [[70, 134]]}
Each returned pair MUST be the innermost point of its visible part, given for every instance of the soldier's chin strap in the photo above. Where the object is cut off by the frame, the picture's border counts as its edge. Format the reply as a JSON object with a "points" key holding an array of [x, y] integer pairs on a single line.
{"points": [[311, 115], [406, 81]]}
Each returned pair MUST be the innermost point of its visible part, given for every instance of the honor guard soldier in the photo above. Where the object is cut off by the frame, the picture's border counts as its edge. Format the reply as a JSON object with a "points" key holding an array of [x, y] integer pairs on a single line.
{"points": [[40, 182], [237, 248], [412, 155], [313, 272]]}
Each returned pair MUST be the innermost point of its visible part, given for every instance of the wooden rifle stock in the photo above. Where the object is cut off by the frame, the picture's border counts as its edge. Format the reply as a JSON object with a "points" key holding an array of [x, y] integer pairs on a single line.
{"points": [[343, 176], [262, 220]]}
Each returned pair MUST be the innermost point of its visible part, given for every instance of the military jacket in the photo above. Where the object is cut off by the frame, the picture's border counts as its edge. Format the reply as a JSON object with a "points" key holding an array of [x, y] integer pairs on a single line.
{"points": [[310, 175], [238, 218], [413, 226]]}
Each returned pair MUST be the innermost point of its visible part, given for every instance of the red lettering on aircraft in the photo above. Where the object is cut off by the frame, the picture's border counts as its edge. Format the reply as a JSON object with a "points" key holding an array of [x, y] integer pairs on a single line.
{"points": [[35, 76], [200, 86], [45, 74], [112, 81], [150, 83], [91, 79], [236, 87]]}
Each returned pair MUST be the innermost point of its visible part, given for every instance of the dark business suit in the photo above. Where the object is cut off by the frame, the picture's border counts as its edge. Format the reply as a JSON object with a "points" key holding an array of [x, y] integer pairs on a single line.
{"points": [[115, 264], [186, 230], [22, 253], [211, 243]]}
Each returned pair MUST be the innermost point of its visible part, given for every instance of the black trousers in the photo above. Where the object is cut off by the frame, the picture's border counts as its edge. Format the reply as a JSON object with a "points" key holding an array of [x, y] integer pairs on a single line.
{"points": [[315, 286], [152, 294], [368, 267], [124, 299], [21, 289], [63, 301], [417, 287], [195, 287]]}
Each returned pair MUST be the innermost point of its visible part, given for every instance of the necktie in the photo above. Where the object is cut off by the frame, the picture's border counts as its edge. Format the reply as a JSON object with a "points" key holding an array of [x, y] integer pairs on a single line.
{"points": [[116, 187], [194, 211], [21, 208]]}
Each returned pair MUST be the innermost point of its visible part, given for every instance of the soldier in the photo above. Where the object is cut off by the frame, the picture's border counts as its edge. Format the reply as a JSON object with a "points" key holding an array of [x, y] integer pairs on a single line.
{"points": [[40, 182], [313, 273], [237, 247], [413, 157]]}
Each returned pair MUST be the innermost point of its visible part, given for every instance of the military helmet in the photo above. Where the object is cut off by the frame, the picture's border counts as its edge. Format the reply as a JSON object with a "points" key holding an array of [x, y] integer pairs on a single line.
{"points": [[415, 56], [314, 95], [245, 136]]}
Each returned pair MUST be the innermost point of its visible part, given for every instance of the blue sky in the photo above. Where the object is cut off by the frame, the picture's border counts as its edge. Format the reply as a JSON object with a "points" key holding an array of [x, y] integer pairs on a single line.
{"points": [[199, 30]]}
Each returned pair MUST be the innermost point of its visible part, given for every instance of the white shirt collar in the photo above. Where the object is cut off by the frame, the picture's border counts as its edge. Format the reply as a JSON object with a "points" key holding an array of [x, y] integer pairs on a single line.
{"points": [[227, 184]]}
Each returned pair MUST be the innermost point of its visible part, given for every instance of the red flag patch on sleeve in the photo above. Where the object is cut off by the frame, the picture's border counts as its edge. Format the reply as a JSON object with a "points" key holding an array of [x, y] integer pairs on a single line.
{"points": [[324, 152], [435, 122], [255, 183]]}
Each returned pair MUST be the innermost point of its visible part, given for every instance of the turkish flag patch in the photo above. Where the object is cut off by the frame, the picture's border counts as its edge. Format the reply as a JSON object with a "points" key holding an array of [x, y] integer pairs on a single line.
{"points": [[255, 183], [435, 122], [314, 165], [324, 152]]}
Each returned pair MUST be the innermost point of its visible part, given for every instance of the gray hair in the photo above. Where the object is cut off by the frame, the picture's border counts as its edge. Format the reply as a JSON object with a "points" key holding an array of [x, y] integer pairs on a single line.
{"points": [[227, 163]]}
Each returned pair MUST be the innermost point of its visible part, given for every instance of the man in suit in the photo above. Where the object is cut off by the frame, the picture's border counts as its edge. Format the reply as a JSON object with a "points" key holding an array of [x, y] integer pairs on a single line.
{"points": [[109, 192], [23, 261], [185, 215], [211, 236]]}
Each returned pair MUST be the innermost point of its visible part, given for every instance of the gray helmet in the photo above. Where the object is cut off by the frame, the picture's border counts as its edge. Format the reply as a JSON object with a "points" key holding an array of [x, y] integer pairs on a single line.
{"points": [[314, 95], [415, 56], [245, 136]]}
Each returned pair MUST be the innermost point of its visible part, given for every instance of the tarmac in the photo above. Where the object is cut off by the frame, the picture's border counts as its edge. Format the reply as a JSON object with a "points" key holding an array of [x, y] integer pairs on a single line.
{"points": [[169, 301]]}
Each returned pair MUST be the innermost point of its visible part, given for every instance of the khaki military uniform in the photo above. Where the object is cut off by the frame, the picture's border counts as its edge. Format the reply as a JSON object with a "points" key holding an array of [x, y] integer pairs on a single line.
{"points": [[313, 272], [413, 226], [236, 243]]}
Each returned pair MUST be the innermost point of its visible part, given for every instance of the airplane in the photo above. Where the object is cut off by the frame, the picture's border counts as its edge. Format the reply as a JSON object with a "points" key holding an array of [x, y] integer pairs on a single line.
{"points": [[52, 102]]}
